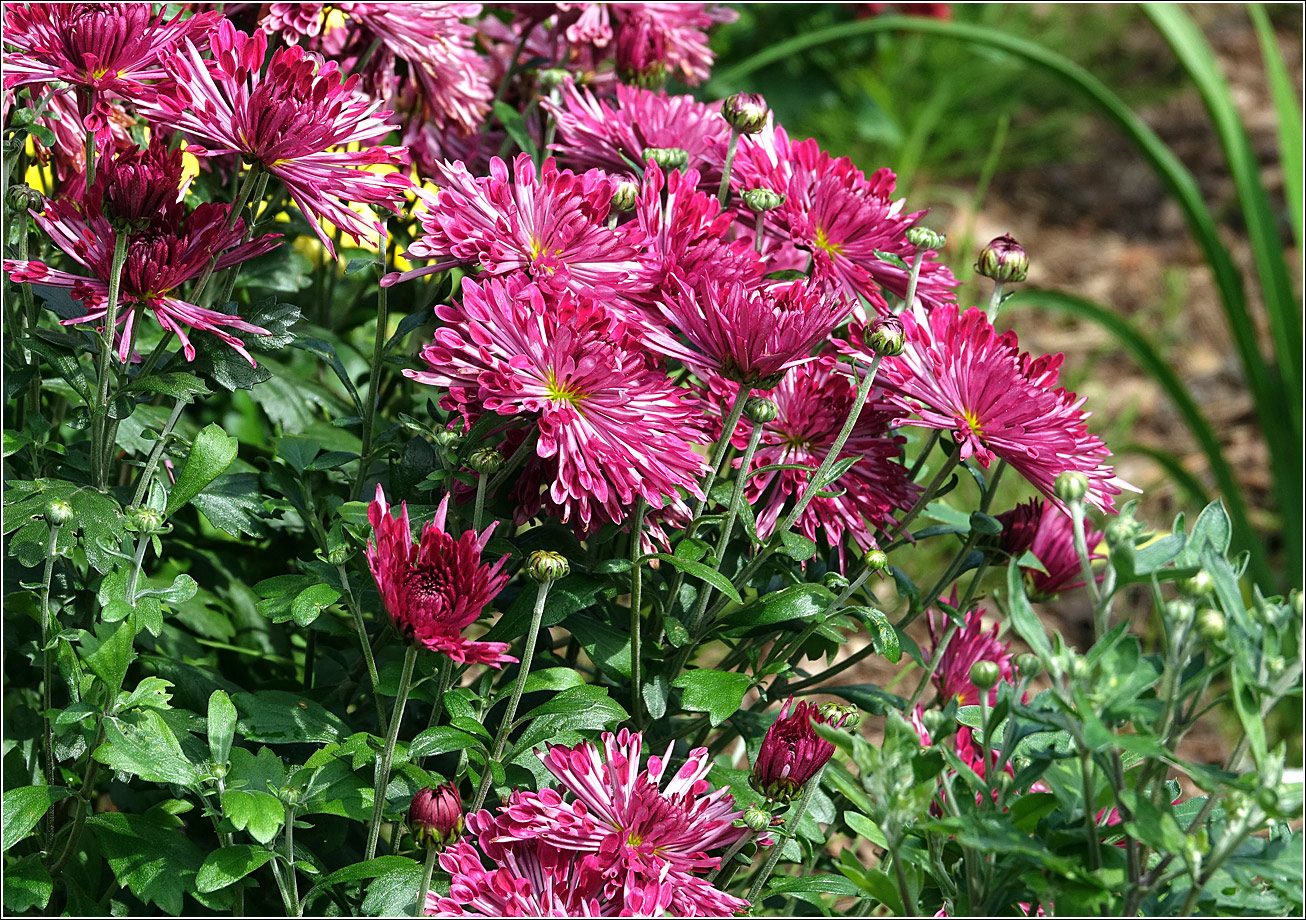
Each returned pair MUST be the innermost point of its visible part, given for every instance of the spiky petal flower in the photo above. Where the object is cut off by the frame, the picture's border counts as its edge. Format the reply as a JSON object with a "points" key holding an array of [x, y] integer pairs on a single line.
{"points": [[641, 831], [813, 401], [295, 21], [959, 375], [107, 49], [792, 752], [287, 120], [969, 645], [614, 425], [160, 259], [435, 816], [527, 879], [139, 186], [437, 587], [1045, 530]]}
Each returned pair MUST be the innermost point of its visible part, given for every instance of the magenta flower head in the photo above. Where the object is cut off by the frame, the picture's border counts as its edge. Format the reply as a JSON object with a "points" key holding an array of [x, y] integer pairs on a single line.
{"points": [[1046, 531], [287, 121], [526, 879], [969, 646], [437, 587], [1003, 259], [792, 752], [139, 186], [745, 112], [435, 816], [293, 20], [106, 49], [642, 52]]}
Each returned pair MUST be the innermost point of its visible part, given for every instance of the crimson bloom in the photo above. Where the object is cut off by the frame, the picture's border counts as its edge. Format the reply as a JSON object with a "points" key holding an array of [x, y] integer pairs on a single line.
{"points": [[107, 49], [641, 832], [435, 816], [286, 120], [437, 587], [959, 375], [611, 426], [792, 752], [969, 645], [1045, 530]]}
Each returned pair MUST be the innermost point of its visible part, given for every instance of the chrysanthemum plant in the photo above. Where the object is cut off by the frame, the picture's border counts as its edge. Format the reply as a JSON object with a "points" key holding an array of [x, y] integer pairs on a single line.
{"points": [[447, 473]]}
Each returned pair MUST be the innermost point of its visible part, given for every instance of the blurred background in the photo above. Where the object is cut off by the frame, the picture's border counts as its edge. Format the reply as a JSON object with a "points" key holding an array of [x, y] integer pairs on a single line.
{"points": [[992, 142]]}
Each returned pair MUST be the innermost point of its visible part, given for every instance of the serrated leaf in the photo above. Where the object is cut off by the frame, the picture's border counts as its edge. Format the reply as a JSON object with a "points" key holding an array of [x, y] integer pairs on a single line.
{"points": [[157, 864], [221, 725], [310, 602], [228, 865], [24, 807], [212, 451], [279, 717], [701, 572], [259, 813], [177, 385], [718, 693], [147, 749]]}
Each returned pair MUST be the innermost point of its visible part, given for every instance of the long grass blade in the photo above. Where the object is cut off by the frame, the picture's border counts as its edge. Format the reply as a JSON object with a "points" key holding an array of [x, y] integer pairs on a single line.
{"points": [[1287, 109], [1190, 484]]}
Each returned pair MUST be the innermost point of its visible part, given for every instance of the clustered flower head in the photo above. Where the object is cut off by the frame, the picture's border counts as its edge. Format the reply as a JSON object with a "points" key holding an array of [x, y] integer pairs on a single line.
{"points": [[1043, 529]]}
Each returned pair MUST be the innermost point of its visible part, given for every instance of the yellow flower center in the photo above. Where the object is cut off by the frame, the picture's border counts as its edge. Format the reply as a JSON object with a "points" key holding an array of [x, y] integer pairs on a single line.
{"points": [[561, 392], [823, 242], [973, 421]]}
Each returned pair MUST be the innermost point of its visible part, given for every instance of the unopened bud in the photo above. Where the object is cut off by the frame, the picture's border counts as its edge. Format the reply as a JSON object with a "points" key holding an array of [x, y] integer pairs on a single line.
{"points": [[448, 439], [545, 566], [886, 336], [1071, 486], [1078, 668], [1180, 611], [934, 721], [835, 581], [1268, 799], [550, 77], [1003, 259], [759, 200], [759, 410], [626, 196], [757, 818], [145, 520], [1295, 600], [486, 460], [436, 816], [875, 560], [1211, 625], [985, 674], [745, 112], [667, 157], [58, 512], [925, 239], [840, 715], [1028, 665], [23, 198], [1199, 585], [338, 554], [1120, 531]]}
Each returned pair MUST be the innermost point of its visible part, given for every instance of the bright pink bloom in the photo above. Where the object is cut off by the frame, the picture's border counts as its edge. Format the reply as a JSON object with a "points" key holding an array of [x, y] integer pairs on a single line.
{"points": [[294, 21], [597, 133], [641, 57], [968, 646], [160, 258], [589, 27], [108, 49], [641, 833], [614, 425], [437, 587], [139, 187], [814, 401], [958, 375], [1046, 531], [792, 752], [527, 879], [63, 118], [553, 228], [287, 120]]}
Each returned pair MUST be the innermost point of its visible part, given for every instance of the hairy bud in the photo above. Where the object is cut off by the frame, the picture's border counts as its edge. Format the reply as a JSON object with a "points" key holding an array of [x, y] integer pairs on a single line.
{"points": [[58, 512], [759, 410], [924, 239], [486, 460], [626, 196], [1003, 259], [24, 198], [545, 566], [667, 157], [1071, 486], [886, 336], [875, 560], [759, 200], [745, 112], [985, 674]]}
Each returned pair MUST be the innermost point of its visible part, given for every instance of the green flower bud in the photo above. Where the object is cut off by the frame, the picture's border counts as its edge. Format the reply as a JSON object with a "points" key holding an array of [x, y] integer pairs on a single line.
{"points": [[840, 715], [1211, 625], [757, 818], [1199, 585], [1268, 799], [545, 566], [875, 560], [1078, 668], [925, 239], [550, 77], [339, 554], [448, 439], [985, 674], [58, 512], [667, 157], [486, 460], [626, 197], [145, 520], [759, 200], [1180, 611], [23, 198], [1028, 665], [935, 722], [759, 410], [1121, 531], [886, 336], [1071, 486], [745, 112], [1003, 260]]}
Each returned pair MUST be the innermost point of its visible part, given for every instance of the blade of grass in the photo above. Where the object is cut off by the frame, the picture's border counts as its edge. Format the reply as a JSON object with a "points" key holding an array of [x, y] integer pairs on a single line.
{"points": [[1132, 339], [1288, 111], [1186, 481]]}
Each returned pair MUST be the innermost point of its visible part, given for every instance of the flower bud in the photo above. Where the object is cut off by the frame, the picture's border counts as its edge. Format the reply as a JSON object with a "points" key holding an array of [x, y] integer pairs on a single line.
{"points": [[486, 460], [924, 239], [1003, 260], [839, 715], [759, 200], [1071, 486], [1121, 531], [448, 439], [875, 560], [1211, 625], [339, 554], [1268, 799], [935, 722], [1078, 668], [757, 818], [667, 157], [626, 196], [985, 674], [1199, 585], [1180, 611], [886, 336], [791, 753], [145, 520], [1028, 665], [550, 77], [58, 512], [545, 566], [759, 410], [22, 198], [641, 53], [835, 581], [745, 112], [436, 816]]}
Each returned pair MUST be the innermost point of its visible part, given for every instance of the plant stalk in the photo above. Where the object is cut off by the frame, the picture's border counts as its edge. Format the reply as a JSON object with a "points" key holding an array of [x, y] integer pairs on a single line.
{"points": [[374, 381], [636, 621], [100, 451], [428, 872], [387, 755]]}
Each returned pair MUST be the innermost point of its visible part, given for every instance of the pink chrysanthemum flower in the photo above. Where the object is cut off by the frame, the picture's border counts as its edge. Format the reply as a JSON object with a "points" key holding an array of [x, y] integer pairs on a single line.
{"points": [[968, 646], [615, 426], [528, 879], [62, 117], [294, 21], [641, 832], [845, 220], [287, 120], [437, 587], [791, 752], [1045, 530], [596, 133], [683, 27], [108, 49], [164, 251], [553, 228], [813, 402], [958, 375], [748, 334]]}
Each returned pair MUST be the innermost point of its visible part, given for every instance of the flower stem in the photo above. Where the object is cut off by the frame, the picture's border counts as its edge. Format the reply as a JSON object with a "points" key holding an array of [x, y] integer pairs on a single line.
{"points": [[939, 478], [387, 755], [374, 385], [727, 861], [237, 206], [142, 542], [723, 445], [995, 301], [505, 727], [47, 667], [925, 452], [792, 820], [428, 871], [100, 451], [757, 232], [636, 601], [360, 627], [1090, 808], [478, 510], [156, 452], [724, 193], [904, 891], [913, 278], [1085, 563], [292, 879], [148, 367]]}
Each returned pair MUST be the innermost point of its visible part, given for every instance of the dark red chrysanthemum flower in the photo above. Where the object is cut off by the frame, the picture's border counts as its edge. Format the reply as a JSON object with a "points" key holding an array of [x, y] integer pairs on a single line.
{"points": [[792, 752]]}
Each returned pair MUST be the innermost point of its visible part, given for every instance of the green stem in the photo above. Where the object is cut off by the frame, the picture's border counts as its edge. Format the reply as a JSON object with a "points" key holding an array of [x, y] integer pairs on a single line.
{"points": [[100, 451], [378, 354], [1086, 564], [229, 284], [636, 621], [478, 510], [148, 367], [428, 871], [1090, 813], [904, 890], [722, 445], [524, 450], [939, 478], [90, 149], [505, 727], [935, 658], [156, 452], [727, 861], [291, 876], [792, 820], [723, 194], [995, 301], [47, 668], [757, 231], [924, 454], [142, 543], [387, 755], [360, 627], [913, 278], [237, 206]]}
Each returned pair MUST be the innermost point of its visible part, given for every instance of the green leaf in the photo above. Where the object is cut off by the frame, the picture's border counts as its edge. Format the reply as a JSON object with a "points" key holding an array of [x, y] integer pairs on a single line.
{"points": [[441, 739], [718, 693], [212, 451], [607, 647], [312, 601], [99, 522], [24, 807], [803, 603], [155, 863], [228, 865], [177, 385], [865, 828], [1212, 528], [701, 572], [819, 884], [150, 693], [567, 596], [234, 503], [147, 749], [796, 546], [552, 679], [221, 725], [585, 707], [1023, 619], [27, 885], [110, 661], [515, 125], [259, 813], [1287, 110], [279, 717], [394, 894]]}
